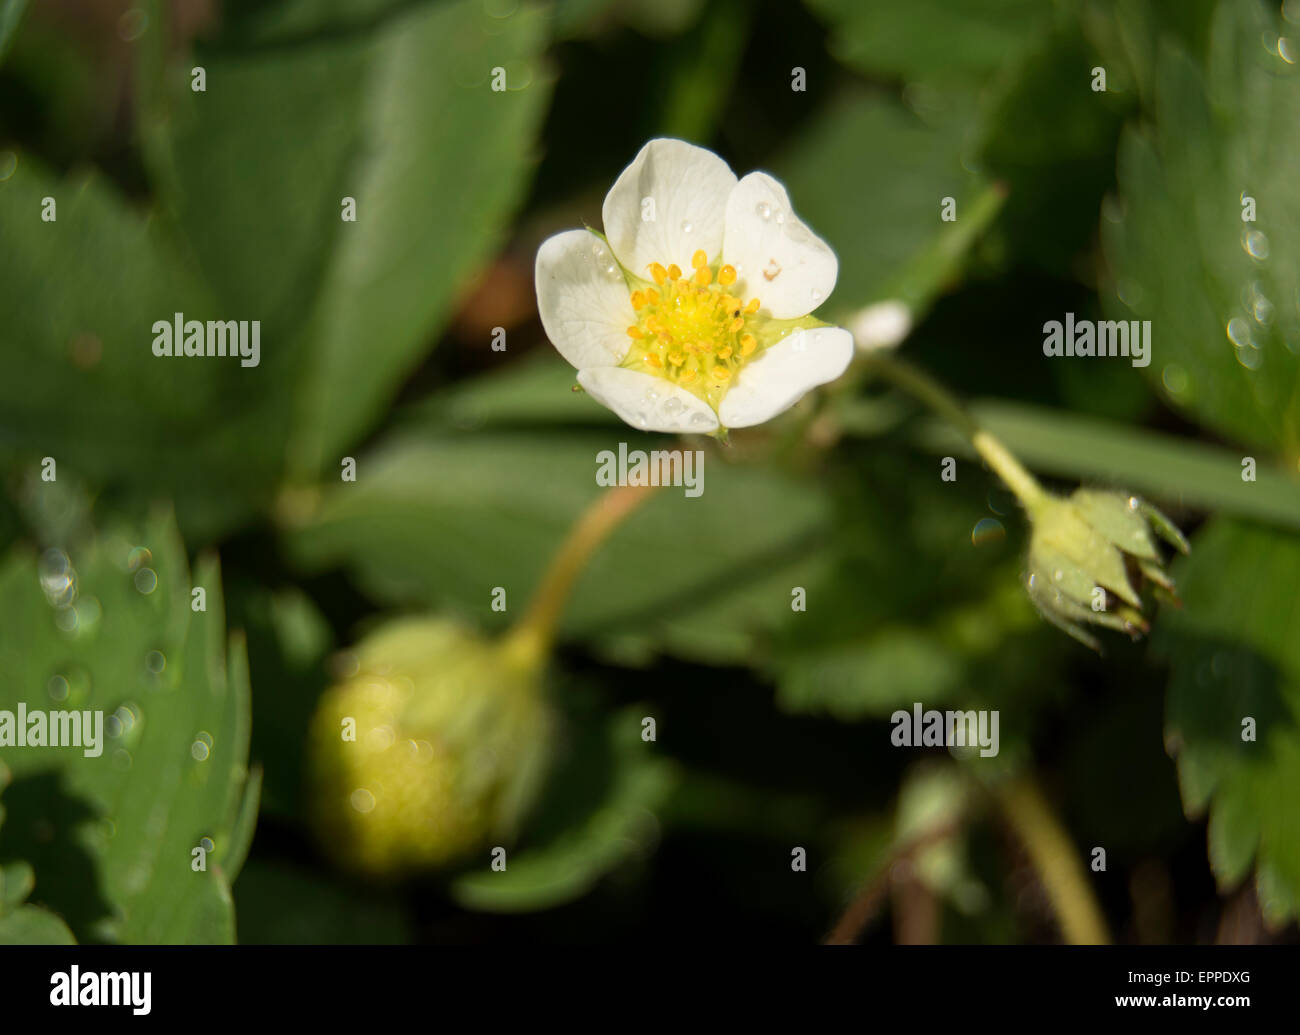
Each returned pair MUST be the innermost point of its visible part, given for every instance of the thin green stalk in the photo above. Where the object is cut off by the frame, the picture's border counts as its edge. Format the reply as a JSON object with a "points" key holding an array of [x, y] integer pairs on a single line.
{"points": [[927, 390], [531, 637]]}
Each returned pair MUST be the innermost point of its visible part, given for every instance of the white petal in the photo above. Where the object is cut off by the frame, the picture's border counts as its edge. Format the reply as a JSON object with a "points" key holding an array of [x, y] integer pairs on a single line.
{"points": [[667, 204], [585, 309], [782, 375], [881, 326], [647, 402], [777, 258]]}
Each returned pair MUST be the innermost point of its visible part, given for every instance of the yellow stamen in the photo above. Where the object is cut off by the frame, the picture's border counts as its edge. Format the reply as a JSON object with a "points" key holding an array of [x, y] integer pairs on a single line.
{"points": [[689, 331]]}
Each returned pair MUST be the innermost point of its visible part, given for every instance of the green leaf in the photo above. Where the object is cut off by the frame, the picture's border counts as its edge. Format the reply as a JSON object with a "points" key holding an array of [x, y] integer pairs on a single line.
{"points": [[1008, 83], [251, 191], [1128, 35], [16, 883], [1220, 292], [432, 209], [108, 628], [23, 924], [940, 43], [869, 177], [288, 643], [283, 904], [429, 507], [579, 836], [80, 382], [11, 13], [1234, 651], [1171, 468], [537, 389], [1046, 135], [289, 23], [893, 667], [434, 158], [31, 925]]}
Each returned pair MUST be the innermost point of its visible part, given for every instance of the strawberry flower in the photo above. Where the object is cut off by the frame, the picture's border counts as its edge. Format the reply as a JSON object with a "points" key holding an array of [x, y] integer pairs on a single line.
{"points": [[690, 312]]}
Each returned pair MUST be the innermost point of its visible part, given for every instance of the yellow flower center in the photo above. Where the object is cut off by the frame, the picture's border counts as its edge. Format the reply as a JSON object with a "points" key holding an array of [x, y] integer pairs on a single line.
{"points": [[692, 330]]}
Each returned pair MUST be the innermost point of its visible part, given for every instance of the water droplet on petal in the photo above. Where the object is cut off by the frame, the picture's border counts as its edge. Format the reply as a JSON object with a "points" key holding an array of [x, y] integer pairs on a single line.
{"points": [[686, 227], [701, 419], [764, 211], [672, 406]]}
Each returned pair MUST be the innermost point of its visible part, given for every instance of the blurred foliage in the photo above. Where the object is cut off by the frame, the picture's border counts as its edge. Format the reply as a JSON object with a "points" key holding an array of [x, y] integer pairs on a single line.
{"points": [[108, 627], [1224, 297], [1235, 656], [473, 464]]}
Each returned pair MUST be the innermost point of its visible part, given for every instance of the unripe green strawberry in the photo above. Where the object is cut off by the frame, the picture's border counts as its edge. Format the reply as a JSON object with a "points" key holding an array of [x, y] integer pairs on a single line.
{"points": [[451, 732]]}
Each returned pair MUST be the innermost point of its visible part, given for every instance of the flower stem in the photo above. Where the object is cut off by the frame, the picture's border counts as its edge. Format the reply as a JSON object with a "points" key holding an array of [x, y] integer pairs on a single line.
{"points": [[531, 637], [922, 386], [1056, 861], [868, 900]]}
